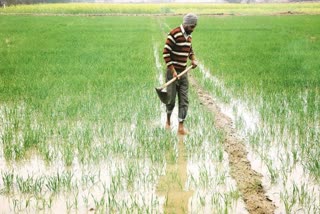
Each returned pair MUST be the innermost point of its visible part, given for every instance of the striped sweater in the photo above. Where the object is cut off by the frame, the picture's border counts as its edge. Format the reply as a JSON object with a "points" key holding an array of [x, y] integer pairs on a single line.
{"points": [[177, 49]]}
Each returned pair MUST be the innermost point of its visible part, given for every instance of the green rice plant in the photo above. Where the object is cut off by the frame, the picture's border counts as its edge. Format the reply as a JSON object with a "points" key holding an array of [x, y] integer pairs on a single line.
{"points": [[287, 203], [41, 203], [86, 201], [30, 185], [7, 139], [67, 182], [68, 154], [69, 205], [276, 77], [88, 180], [75, 103], [27, 203], [53, 184], [79, 92], [274, 174], [17, 206], [48, 154], [8, 181], [132, 171], [100, 205], [24, 186], [31, 139]]}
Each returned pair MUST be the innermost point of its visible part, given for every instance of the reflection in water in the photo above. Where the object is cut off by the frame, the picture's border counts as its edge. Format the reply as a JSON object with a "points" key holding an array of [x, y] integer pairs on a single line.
{"points": [[173, 184]]}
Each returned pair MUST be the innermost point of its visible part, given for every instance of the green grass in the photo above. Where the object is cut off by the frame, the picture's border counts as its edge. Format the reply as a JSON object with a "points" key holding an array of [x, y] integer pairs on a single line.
{"points": [[270, 63], [72, 89], [274, 59], [77, 65], [77, 95], [262, 51]]}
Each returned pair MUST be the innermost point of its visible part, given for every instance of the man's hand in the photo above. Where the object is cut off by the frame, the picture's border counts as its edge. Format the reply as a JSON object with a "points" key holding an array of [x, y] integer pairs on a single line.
{"points": [[194, 63], [174, 74]]}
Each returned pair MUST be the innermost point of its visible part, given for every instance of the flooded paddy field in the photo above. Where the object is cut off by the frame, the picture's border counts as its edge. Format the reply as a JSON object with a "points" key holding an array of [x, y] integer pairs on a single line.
{"points": [[82, 129]]}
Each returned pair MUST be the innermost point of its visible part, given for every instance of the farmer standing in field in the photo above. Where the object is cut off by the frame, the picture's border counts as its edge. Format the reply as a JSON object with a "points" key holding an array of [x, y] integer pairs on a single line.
{"points": [[176, 52]]}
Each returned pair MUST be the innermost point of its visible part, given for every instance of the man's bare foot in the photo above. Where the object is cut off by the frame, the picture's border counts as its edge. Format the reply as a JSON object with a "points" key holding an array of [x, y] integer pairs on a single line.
{"points": [[183, 131]]}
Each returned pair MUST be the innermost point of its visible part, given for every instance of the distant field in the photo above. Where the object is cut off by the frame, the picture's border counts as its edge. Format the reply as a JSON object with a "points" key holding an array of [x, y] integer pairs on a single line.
{"points": [[168, 9]]}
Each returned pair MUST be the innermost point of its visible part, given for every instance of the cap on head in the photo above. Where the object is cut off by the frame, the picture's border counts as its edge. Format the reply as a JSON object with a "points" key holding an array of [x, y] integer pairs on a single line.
{"points": [[190, 19]]}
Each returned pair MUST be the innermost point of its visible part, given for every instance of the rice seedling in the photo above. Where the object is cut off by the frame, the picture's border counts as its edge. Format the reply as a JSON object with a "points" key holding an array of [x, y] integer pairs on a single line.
{"points": [[276, 113], [7, 180]]}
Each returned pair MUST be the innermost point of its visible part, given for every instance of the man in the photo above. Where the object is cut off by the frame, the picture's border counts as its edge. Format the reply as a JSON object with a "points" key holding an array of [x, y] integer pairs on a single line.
{"points": [[176, 52]]}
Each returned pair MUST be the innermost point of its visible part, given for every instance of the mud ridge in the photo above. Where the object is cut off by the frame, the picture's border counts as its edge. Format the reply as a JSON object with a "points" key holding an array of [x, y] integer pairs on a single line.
{"points": [[248, 180]]}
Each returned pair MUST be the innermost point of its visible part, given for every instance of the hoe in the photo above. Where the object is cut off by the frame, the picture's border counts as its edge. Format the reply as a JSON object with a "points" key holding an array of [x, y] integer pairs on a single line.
{"points": [[163, 95]]}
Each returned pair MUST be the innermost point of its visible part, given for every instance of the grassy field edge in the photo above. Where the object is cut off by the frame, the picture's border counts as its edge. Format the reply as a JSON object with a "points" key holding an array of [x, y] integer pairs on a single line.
{"points": [[164, 9]]}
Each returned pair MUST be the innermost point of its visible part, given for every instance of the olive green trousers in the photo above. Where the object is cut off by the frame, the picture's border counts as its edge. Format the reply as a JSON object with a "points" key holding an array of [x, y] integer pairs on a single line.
{"points": [[179, 87]]}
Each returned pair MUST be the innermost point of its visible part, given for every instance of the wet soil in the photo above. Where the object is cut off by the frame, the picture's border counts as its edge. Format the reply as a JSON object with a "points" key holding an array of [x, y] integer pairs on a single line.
{"points": [[248, 180], [171, 185]]}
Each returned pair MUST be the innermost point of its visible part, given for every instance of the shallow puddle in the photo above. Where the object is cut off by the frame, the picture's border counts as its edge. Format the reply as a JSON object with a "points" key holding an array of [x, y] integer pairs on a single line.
{"points": [[172, 184]]}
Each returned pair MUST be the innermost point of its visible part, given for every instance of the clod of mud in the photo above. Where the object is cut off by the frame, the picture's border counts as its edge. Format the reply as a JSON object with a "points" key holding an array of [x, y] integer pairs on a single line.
{"points": [[248, 181]]}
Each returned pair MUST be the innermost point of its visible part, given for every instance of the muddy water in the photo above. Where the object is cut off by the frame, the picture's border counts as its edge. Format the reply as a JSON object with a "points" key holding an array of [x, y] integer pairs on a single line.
{"points": [[248, 181], [183, 175], [90, 184], [172, 184], [284, 180]]}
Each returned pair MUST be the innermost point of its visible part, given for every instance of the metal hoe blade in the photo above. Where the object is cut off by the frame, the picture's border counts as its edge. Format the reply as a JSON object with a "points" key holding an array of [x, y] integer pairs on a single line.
{"points": [[163, 95]]}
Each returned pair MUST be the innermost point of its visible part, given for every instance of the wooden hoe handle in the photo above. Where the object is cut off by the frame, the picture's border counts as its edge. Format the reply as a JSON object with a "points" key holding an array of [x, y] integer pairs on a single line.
{"points": [[174, 79]]}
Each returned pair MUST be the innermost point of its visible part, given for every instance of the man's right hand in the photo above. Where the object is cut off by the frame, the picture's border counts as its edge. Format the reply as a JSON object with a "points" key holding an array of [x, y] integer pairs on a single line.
{"points": [[174, 74], [194, 63]]}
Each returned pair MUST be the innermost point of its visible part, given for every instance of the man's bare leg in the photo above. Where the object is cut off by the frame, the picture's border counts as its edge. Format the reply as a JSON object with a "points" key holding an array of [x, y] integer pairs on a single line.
{"points": [[168, 123]]}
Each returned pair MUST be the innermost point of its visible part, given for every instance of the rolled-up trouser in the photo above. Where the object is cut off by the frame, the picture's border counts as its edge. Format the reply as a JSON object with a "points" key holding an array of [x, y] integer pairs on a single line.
{"points": [[179, 87]]}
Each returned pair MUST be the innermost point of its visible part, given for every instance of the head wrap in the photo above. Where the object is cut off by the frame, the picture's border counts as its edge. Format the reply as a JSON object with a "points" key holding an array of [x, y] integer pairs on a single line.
{"points": [[190, 19]]}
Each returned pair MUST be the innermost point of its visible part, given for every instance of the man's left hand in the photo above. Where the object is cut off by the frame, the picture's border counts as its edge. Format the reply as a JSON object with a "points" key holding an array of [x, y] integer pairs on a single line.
{"points": [[194, 63]]}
